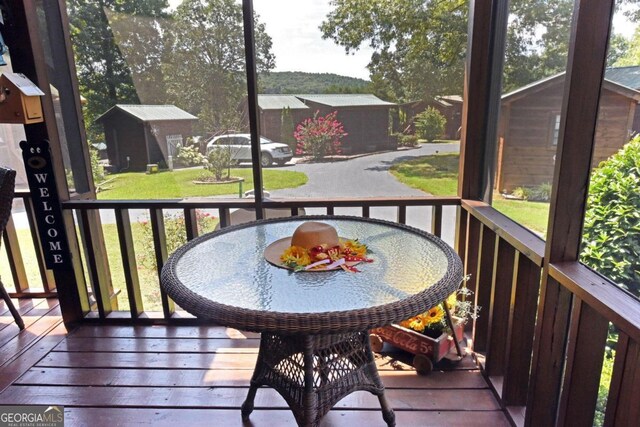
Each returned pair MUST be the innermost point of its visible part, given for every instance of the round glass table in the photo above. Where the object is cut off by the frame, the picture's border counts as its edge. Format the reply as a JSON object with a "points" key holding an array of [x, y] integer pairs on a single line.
{"points": [[314, 326]]}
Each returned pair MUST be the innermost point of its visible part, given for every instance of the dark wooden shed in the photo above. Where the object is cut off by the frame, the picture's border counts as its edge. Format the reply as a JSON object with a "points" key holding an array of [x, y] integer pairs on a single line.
{"points": [[137, 135], [530, 122], [365, 118], [272, 108]]}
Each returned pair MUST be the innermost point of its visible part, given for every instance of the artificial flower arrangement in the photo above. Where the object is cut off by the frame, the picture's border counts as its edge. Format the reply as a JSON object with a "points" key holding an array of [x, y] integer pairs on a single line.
{"points": [[433, 322], [324, 257]]}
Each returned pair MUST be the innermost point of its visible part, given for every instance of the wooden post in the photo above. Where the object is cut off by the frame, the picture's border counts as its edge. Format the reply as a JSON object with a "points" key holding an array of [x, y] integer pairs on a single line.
{"points": [[585, 71]]}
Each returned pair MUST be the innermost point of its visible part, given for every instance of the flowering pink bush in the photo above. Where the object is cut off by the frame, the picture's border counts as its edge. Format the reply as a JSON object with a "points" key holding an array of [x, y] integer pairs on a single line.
{"points": [[319, 136]]}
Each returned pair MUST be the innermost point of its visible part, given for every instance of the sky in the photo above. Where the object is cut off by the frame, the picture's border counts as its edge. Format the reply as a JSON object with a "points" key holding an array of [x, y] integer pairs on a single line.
{"points": [[297, 41]]}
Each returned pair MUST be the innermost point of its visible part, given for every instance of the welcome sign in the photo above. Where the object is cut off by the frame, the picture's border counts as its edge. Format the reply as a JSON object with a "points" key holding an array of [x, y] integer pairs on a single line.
{"points": [[46, 204]]}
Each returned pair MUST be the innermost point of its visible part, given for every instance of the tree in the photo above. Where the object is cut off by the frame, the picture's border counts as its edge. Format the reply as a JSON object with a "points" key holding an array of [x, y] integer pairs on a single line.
{"points": [[103, 74], [320, 136], [204, 65], [420, 45]]}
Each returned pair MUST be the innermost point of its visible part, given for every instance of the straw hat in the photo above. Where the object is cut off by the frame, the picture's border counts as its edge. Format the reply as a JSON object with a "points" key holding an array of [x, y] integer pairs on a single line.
{"points": [[308, 235]]}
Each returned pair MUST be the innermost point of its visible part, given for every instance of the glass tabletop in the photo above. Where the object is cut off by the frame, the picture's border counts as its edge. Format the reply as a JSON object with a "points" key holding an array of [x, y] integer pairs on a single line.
{"points": [[229, 268]]}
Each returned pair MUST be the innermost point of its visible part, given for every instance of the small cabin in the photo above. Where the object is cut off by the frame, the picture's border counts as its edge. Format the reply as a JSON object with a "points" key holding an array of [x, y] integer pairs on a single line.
{"points": [[530, 123], [137, 135]]}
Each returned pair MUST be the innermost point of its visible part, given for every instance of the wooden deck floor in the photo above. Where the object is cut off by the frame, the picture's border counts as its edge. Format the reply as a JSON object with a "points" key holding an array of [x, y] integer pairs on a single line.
{"points": [[191, 376]]}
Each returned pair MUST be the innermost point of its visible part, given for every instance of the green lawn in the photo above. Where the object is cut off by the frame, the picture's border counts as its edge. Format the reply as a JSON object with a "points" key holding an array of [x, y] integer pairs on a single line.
{"points": [[178, 184], [438, 175]]}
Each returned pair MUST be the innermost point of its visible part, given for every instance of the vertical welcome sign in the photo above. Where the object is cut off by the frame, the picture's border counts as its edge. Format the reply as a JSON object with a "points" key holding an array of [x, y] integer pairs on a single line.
{"points": [[46, 204]]}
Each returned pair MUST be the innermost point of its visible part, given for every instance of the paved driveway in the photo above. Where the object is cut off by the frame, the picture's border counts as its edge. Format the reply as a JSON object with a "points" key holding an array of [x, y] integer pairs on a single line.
{"points": [[366, 176], [369, 176]]}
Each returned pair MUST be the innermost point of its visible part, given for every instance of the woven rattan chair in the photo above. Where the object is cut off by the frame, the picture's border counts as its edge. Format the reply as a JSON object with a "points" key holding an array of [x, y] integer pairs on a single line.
{"points": [[7, 185]]}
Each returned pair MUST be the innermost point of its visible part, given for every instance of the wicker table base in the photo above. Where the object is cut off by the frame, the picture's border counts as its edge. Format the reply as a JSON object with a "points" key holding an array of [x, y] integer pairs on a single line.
{"points": [[314, 372]]}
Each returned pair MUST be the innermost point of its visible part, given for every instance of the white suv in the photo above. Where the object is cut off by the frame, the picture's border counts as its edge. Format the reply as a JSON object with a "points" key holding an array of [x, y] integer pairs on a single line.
{"points": [[240, 146]]}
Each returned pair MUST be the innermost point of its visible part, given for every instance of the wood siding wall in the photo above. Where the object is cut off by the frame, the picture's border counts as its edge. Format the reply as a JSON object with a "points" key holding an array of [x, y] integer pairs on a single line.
{"points": [[125, 136], [367, 127], [528, 156], [271, 122]]}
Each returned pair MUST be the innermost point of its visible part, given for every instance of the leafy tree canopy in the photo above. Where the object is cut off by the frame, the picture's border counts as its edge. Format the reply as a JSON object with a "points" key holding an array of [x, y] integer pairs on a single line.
{"points": [[103, 74], [420, 45]]}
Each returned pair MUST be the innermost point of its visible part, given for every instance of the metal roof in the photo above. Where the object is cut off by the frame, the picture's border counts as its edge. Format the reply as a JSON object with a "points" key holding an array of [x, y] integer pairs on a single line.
{"points": [[279, 102], [152, 113], [24, 85], [541, 84], [625, 76], [345, 100]]}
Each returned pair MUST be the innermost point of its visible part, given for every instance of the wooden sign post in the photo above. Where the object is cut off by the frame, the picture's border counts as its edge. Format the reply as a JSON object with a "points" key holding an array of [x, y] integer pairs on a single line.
{"points": [[46, 204]]}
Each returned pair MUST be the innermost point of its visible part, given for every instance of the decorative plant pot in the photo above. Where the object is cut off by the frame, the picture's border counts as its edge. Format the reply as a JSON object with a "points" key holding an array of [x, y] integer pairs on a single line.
{"points": [[427, 350]]}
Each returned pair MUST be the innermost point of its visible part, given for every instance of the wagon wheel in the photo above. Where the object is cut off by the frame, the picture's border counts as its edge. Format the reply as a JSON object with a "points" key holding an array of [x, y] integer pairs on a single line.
{"points": [[423, 364], [376, 343]]}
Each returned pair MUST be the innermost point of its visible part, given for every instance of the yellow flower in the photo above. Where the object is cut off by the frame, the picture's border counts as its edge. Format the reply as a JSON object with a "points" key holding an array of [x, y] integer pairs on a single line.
{"points": [[295, 255], [417, 324], [451, 302], [435, 315], [354, 248]]}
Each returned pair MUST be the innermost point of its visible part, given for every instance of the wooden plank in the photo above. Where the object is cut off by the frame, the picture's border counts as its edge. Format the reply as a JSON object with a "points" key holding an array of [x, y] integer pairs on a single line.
{"points": [[160, 249], [13, 369], [193, 361], [159, 345], [14, 255], [28, 310], [600, 293], [501, 290], [484, 279], [156, 377], [171, 417], [177, 332], [460, 246], [366, 212], [402, 214], [522, 319], [226, 397], [191, 223], [208, 203], [585, 353], [129, 263], [225, 217], [622, 404], [436, 221], [100, 285], [522, 239], [548, 354], [33, 329]]}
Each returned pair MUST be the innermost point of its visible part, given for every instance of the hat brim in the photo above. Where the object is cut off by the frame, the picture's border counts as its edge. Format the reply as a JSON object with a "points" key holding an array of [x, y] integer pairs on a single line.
{"points": [[274, 250]]}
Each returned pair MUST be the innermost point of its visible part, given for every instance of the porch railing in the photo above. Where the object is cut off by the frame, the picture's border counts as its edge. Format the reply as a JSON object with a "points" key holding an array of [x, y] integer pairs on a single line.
{"points": [[519, 344]]}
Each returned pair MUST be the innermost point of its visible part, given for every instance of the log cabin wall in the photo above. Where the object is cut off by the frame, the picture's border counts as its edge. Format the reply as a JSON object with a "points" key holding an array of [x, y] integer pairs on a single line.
{"points": [[528, 155]]}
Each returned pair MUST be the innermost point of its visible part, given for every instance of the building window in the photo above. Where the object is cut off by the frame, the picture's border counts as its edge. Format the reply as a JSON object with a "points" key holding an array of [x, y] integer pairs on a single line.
{"points": [[554, 129]]}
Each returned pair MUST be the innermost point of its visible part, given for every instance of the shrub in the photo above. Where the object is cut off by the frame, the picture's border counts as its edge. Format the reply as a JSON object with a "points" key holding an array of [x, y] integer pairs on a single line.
{"points": [[611, 239], [217, 161], [175, 232], [189, 155], [319, 136], [97, 170], [430, 124], [541, 193], [406, 140], [521, 193]]}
